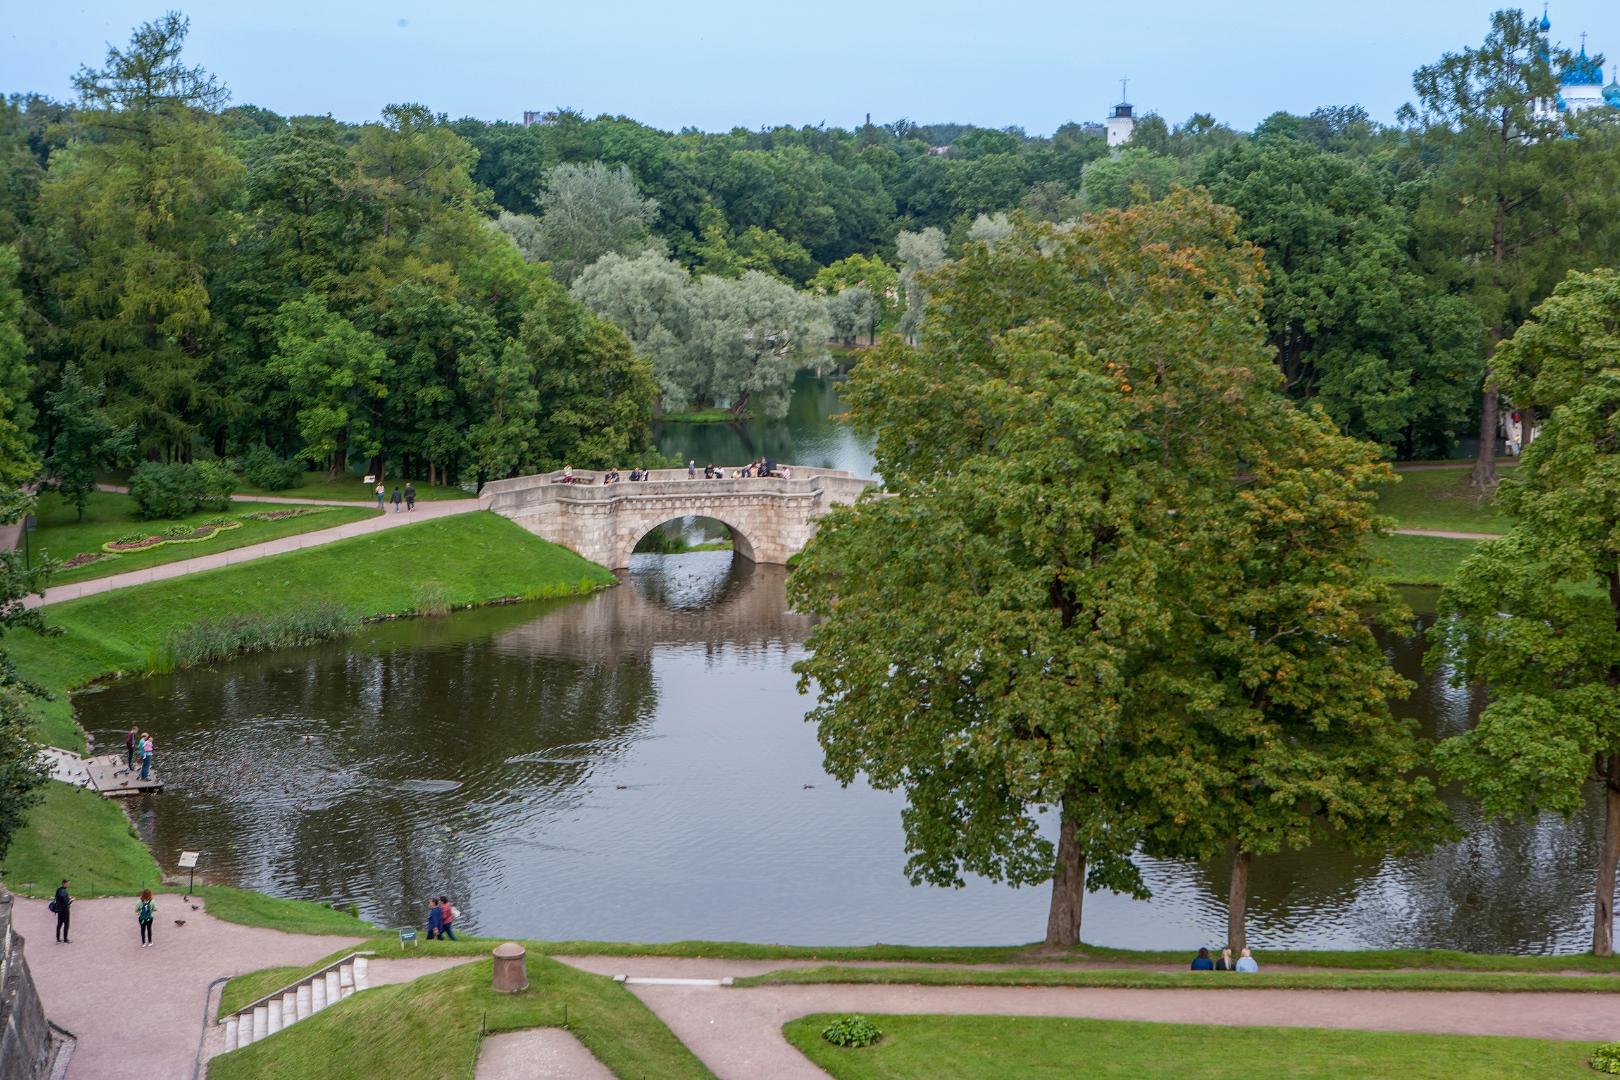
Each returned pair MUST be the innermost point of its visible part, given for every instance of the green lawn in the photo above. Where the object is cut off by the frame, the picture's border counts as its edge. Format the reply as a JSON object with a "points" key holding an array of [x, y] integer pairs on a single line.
{"points": [[107, 517], [704, 416], [352, 488], [430, 1029], [1138, 979], [78, 835], [1031, 1048], [1441, 499], [1420, 560]]}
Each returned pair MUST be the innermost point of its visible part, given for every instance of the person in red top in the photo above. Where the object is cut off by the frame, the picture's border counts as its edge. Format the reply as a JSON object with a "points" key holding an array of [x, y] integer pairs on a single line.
{"points": [[448, 914]]}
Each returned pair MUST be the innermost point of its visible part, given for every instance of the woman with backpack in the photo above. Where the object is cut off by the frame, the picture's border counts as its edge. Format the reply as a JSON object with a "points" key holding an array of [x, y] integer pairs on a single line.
{"points": [[145, 912]]}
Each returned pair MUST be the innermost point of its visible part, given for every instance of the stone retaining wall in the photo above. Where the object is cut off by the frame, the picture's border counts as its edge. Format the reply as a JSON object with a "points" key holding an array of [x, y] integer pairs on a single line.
{"points": [[27, 1042]]}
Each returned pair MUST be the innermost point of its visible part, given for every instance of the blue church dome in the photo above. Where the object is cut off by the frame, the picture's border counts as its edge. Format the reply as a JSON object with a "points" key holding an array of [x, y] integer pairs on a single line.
{"points": [[1611, 93], [1583, 70], [1546, 23]]}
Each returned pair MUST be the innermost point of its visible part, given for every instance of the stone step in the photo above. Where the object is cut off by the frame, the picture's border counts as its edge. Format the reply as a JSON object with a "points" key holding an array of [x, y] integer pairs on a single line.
{"points": [[232, 1025]]}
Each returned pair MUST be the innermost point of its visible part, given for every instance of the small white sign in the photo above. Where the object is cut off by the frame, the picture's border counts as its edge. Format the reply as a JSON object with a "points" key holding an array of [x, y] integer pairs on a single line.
{"points": [[370, 479], [188, 860]]}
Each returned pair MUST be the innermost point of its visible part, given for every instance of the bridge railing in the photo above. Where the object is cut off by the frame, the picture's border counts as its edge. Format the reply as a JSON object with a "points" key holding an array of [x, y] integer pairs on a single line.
{"points": [[587, 486]]}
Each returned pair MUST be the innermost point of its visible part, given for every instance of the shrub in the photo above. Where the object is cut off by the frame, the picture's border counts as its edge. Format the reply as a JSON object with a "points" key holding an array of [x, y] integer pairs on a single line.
{"points": [[851, 1031], [171, 491], [207, 640], [179, 532], [263, 469], [216, 484], [282, 515], [432, 598], [165, 491], [1606, 1059]]}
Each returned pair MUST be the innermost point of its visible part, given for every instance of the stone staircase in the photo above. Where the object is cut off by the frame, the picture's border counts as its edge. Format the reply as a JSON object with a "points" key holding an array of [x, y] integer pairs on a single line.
{"points": [[306, 997]]}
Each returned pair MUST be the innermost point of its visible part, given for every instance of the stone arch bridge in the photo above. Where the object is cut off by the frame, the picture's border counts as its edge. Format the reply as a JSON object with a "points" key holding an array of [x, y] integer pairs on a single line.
{"points": [[770, 518]]}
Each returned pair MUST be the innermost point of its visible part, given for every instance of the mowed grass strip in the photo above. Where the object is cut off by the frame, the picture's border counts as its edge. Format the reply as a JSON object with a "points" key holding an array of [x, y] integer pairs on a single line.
{"points": [[1138, 979], [1041, 1048], [430, 1029], [348, 488], [1441, 499], [108, 516], [1420, 560], [455, 561]]}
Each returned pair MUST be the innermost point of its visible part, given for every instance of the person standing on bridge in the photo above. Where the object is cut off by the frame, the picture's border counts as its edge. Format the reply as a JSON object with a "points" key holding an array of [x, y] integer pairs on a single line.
{"points": [[129, 750], [410, 497], [146, 755], [691, 469], [62, 905]]}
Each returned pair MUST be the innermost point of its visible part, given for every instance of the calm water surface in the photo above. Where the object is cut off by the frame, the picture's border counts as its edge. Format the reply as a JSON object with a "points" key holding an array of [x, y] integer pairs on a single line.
{"points": [[636, 765]]}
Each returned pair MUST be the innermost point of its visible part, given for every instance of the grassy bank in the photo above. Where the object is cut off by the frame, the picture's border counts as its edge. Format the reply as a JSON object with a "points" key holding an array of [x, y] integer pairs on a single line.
{"points": [[704, 416], [986, 1047], [1420, 560], [430, 1029], [1441, 499], [1138, 979], [108, 517], [348, 488], [433, 566]]}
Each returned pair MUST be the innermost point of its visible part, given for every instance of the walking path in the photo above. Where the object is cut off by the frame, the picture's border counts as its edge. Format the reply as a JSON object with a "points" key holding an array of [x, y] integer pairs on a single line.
{"points": [[538, 1054], [738, 1032], [424, 511], [284, 500], [1447, 534], [139, 1012]]}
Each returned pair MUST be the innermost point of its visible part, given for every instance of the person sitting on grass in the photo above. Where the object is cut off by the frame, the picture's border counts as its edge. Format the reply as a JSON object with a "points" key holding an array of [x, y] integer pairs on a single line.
{"points": [[1246, 962], [1202, 962], [1224, 961]]}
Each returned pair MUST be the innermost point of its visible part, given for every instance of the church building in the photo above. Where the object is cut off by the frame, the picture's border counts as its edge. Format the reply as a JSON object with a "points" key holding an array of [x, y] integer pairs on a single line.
{"points": [[1580, 82]]}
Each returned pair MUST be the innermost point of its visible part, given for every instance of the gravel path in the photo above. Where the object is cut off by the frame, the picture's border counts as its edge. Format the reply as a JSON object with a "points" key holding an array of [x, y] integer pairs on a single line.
{"points": [[139, 1012], [424, 511], [1446, 534], [738, 1032], [538, 1054]]}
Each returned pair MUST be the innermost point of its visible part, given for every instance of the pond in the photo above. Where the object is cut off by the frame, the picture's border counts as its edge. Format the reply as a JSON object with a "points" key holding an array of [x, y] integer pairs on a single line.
{"points": [[635, 765]]}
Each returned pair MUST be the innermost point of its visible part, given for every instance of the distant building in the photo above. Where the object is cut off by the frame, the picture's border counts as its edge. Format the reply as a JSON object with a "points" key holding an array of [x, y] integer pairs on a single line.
{"points": [[939, 151], [531, 118], [1580, 83], [1120, 124]]}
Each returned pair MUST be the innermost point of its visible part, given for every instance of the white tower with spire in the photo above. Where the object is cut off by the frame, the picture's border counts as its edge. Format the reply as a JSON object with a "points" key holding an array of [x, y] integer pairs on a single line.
{"points": [[1122, 121]]}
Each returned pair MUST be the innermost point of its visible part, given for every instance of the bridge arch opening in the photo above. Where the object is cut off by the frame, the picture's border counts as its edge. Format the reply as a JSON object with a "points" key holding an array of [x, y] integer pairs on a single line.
{"points": [[693, 532]]}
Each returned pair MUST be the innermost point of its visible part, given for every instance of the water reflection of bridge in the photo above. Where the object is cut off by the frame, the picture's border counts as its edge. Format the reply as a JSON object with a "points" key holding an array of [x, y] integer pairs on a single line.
{"points": [[690, 601]]}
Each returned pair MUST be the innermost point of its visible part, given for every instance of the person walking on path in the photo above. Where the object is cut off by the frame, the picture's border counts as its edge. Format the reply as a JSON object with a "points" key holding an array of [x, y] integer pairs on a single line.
{"points": [[435, 919], [129, 750], [381, 491], [146, 755], [145, 911], [62, 905], [447, 915], [410, 497], [398, 498], [1246, 962]]}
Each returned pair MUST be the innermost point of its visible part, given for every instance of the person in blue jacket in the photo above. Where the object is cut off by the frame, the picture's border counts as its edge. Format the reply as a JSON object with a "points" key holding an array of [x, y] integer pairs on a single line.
{"points": [[1202, 962], [435, 919]]}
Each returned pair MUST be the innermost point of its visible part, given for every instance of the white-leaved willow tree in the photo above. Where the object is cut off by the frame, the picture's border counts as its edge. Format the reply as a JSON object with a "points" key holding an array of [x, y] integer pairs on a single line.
{"points": [[738, 341]]}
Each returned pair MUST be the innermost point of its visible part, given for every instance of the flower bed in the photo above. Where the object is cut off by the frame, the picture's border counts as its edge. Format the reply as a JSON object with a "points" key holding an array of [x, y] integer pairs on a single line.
{"points": [[85, 558], [206, 531], [283, 515]]}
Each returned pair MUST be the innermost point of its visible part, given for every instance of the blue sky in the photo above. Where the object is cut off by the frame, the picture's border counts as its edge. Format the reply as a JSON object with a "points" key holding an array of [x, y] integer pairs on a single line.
{"points": [[716, 64]]}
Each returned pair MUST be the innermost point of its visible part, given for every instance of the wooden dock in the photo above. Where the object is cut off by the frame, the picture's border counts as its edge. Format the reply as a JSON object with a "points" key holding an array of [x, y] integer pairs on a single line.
{"points": [[104, 774]]}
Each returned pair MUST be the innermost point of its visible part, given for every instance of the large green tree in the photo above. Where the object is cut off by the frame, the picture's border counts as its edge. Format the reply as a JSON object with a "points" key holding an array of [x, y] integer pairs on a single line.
{"points": [[337, 374], [587, 212], [1536, 615], [1001, 632], [17, 460], [1356, 327], [1512, 203], [84, 438], [139, 200]]}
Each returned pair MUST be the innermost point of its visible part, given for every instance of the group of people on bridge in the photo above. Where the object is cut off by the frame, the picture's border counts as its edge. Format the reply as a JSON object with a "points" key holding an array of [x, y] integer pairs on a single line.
{"points": [[761, 467]]}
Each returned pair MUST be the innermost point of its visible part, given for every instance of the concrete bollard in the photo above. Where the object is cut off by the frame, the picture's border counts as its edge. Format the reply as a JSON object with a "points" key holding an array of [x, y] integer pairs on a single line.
{"points": [[510, 973]]}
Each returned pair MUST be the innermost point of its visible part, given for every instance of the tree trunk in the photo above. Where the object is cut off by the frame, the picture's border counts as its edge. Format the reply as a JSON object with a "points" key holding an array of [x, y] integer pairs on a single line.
{"points": [[1483, 475], [1068, 887], [740, 408], [1527, 426], [1237, 902], [1603, 909]]}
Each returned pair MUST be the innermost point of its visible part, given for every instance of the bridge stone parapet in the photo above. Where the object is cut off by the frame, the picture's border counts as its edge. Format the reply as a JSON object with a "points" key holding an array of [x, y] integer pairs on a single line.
{"points": [[771, 518]]}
